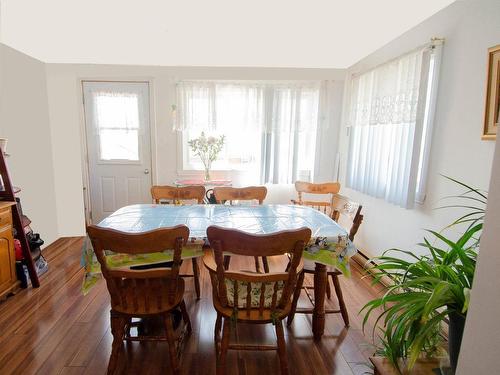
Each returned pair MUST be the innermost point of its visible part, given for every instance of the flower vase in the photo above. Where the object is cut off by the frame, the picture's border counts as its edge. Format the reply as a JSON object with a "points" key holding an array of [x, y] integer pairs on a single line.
{"points": [[207, 174]]}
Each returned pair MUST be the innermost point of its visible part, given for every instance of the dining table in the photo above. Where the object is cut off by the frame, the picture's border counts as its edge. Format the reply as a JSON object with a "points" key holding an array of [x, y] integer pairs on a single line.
{"points": [[329, 245]]}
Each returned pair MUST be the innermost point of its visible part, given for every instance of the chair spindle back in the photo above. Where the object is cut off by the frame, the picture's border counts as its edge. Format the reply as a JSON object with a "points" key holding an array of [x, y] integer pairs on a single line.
{"points": [[325, 189], [174, 194], [347, 213], [132, 291], [261, 292], [224, 193]]}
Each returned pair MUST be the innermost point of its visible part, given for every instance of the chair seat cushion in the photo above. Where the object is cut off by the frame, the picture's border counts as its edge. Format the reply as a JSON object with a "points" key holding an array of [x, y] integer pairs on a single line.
{"points": [[255, 293]]}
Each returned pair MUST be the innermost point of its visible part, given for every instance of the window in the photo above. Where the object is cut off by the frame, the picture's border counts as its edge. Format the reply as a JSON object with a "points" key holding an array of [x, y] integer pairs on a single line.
{"points": [[390, 127], [270, 128], [291, 139], [117, 121]]}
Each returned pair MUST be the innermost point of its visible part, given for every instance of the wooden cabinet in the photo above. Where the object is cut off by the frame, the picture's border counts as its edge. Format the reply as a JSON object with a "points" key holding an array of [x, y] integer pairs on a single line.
{"points": [[8, 278]]}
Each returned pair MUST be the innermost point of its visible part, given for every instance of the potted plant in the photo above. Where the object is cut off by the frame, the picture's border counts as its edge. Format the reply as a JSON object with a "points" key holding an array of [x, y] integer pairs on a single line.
{"points": [[428, 289], [207, 148]]}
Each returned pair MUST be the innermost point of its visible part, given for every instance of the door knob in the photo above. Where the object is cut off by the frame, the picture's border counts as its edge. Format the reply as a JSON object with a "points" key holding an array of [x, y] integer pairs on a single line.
{"points": [[146, 171]]}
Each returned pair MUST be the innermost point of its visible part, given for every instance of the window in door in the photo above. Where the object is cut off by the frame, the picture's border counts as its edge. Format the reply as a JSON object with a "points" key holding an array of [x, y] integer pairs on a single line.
{"points": [[117, 121]]}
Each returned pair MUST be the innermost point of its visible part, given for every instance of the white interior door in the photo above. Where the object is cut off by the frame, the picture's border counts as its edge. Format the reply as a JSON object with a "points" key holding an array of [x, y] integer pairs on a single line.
{"points": [[118, 145]]}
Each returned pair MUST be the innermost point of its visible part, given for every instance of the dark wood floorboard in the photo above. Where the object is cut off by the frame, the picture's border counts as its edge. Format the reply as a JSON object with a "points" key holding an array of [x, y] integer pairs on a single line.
{"points": [[56, 330]]}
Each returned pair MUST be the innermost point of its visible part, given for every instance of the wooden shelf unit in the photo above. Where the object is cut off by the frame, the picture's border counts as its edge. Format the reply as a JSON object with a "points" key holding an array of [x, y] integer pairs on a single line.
{"points": [[8, 278], [7, 197]]}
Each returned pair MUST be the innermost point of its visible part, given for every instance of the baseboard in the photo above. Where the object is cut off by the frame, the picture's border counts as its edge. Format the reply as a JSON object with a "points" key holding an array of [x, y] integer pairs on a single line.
{"points": [[366, 263]]}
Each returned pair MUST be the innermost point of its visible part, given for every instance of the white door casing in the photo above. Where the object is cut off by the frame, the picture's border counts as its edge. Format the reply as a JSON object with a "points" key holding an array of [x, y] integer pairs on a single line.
{"points": [[117, 124]]}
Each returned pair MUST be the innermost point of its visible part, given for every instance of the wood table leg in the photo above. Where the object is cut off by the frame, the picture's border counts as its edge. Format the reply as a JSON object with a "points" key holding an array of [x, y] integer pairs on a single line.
{"points": [[196, 275], [320, 280]]}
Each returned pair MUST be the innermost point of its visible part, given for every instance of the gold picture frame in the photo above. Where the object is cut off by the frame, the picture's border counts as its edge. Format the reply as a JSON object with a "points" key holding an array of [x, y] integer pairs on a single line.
{"points": [[492, 109]]}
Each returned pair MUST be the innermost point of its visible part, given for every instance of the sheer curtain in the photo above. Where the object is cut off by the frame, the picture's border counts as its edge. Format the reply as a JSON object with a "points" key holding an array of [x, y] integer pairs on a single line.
{"points": [[268, 125], [290, 138], [240, 117], [195, 107], [117, 124], [116, 110], [386, 127]]}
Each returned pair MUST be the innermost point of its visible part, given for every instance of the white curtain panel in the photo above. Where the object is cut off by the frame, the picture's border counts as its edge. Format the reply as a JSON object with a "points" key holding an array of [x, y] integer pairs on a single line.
{"points": [[116, 110], [385, 128], [291, 134], [195, 107], [240, 116], [282, 116]]}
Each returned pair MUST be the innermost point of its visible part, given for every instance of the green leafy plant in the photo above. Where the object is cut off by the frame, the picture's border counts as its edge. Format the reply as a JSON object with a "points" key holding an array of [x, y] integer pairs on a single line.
{"points": [[207, 148], [425, 289]]}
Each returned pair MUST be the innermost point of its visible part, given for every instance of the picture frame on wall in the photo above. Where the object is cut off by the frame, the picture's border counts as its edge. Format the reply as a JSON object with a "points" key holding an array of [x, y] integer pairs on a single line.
{"points": [[492, 109]]}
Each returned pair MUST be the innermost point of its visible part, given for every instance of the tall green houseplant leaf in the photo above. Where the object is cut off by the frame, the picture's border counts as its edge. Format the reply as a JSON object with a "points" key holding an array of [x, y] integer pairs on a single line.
{"points": [[428, 288]]}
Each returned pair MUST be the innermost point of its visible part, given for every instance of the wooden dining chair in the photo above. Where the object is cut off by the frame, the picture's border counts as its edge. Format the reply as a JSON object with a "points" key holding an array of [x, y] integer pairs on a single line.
{"points": [[348, 214], [182, 195], [230, 194], [175, 194], [327, 190], [248, 297], [142, 293]]}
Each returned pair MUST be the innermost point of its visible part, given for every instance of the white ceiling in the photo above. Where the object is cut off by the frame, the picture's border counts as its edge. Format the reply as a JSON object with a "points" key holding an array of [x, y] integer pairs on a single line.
{"points": [[259, 33]]}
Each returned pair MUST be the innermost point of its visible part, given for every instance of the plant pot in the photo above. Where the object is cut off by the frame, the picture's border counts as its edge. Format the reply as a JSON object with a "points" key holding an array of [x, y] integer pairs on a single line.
{"points": [[455, 333]]}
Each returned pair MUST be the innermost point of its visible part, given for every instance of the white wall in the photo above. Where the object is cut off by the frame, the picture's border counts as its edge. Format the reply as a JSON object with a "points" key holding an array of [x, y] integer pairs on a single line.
{"points": [[481, 340], [24, 120], [279, 33], [65, 109], [469, 27]]}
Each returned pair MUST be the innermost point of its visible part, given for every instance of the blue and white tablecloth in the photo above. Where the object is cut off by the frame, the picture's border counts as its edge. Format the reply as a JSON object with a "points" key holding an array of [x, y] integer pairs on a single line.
{"points": [[329, 244]]}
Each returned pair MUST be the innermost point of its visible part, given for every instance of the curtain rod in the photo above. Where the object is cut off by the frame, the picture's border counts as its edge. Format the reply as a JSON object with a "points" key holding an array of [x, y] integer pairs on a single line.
{"points": [[431, 45]]}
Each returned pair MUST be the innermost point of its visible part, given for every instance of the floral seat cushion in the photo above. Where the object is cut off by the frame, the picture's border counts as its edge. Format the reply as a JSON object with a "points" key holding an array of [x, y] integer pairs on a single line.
{"points": [[254, 293]]}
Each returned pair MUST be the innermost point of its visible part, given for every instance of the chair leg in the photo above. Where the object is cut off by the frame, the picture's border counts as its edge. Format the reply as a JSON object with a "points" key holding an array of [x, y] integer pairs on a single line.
{"points": [[338, 291], [266, 265], [118, 323], [169, 328], [328, 289], [281, 347], [227, 260], [221, 365], [257, 264], [218, 325], [128, 326], [185, 316], [296, 295], [196, 273]]}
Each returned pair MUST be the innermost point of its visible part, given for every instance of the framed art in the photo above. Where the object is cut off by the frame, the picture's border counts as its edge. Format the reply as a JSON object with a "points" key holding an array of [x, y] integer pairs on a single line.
{"points": [[492, 109]]}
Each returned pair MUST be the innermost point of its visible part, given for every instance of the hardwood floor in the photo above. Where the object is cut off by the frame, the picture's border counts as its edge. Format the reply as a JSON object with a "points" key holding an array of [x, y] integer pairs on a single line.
{"points": [[56, 330]]}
